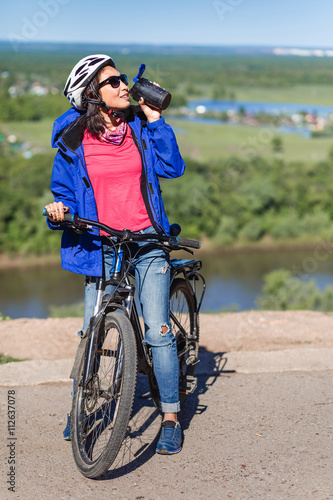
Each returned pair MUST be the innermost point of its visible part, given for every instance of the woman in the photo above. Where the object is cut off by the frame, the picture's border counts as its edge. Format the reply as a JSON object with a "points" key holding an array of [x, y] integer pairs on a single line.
{"points": [[107, 167]]}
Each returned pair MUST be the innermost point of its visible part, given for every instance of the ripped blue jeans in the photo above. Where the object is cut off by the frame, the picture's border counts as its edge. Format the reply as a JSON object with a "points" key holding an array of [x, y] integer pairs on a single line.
{"points": [[152, 278]]}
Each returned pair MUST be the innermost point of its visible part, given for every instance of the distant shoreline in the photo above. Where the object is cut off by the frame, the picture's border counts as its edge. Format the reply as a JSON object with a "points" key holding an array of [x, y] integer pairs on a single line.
{"points": [[27, 261], [207, 248]]}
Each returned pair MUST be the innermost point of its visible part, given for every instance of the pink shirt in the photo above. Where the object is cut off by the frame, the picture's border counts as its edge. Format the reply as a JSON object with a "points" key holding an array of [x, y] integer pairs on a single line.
{"points": [[115, 174]]}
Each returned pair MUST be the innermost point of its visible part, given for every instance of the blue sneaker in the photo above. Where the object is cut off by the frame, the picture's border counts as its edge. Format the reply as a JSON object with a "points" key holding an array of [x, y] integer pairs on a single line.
{"points": [[171, 438], [67, 430]]}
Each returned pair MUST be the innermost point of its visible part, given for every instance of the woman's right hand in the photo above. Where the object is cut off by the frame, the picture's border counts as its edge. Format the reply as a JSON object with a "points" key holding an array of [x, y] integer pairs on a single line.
{"points": [[56, 211]]}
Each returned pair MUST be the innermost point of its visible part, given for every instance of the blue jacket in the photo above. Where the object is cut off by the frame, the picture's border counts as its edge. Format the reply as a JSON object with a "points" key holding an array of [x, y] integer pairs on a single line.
{"points": [[70, 182]]}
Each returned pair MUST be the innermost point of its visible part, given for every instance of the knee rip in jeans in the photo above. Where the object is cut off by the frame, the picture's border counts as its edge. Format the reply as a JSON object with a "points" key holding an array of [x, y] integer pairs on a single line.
{"points": [[164, 330], [165, 268]]}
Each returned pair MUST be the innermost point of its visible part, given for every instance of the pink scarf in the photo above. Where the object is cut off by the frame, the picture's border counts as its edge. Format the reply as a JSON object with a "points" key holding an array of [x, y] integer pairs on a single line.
{"points": [[116, 136]]}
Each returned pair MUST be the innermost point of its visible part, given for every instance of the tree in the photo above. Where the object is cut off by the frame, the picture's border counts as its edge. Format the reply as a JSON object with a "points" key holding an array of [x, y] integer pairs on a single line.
{"points": [[277, 144]]}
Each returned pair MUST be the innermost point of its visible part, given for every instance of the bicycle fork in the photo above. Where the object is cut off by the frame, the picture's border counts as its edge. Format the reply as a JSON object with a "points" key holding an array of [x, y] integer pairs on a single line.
{"points": [[123, 299]]}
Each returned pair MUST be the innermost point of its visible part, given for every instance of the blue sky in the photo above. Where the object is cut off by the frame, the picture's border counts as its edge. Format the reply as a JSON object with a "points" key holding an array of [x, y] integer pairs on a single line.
{"points": [[301, 23]]}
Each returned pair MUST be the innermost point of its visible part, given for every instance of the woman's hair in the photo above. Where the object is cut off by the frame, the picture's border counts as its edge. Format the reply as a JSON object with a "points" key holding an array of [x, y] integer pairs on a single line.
{"points": [[94, 120]]}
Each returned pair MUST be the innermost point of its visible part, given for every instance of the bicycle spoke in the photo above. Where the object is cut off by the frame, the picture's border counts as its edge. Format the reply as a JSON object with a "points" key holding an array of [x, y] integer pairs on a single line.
{"points": [[99, 427]]}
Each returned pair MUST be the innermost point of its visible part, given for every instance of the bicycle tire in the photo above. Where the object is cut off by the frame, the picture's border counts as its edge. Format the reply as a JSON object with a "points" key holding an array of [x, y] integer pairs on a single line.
{"points": [[182, 308], [101, 411]]}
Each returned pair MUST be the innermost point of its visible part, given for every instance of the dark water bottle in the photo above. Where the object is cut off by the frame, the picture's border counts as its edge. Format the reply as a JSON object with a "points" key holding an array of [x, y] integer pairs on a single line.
{"points": [[152, 94]]}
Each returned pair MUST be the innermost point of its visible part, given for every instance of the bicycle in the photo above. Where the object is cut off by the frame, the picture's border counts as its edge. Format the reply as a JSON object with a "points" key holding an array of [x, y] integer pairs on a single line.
{"points": [[111, 352]]}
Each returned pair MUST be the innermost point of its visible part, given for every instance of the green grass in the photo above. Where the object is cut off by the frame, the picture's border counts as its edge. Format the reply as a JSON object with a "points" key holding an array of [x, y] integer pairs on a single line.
{"points": [[208, 142], [203, 142], [7, 359], [37, 133], [67, 311]]}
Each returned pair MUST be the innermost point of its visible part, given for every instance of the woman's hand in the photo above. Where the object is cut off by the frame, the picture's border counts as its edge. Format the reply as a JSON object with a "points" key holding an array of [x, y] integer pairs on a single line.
{"points": [[153, 114], [56, 211]]}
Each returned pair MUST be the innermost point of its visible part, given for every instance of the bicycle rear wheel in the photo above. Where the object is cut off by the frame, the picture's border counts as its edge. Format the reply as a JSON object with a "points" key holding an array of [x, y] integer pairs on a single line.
{"points": [[185, 328], [101, 409]]}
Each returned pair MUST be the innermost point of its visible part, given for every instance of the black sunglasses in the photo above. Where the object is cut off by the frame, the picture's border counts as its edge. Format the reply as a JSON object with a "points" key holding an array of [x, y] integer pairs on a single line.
{"points": [[114, 81]]}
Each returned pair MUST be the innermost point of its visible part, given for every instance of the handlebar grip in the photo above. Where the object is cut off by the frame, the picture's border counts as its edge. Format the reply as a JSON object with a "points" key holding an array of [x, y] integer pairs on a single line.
{"points": [[189, 243], [68, 217]]}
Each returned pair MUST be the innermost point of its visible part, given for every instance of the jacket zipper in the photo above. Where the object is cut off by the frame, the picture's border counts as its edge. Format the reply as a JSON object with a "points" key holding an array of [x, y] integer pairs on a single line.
{"points": [[144, 186], [86, 180]]}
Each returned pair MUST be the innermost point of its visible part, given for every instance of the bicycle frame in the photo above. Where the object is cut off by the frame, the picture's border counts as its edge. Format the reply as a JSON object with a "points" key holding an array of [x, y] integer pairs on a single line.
{"points": [[123, 299], [123, 296]]}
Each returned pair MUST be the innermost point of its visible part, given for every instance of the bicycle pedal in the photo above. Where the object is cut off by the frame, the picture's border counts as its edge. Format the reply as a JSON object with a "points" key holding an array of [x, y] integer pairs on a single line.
{"points": [[191, 384], [192, 358]]}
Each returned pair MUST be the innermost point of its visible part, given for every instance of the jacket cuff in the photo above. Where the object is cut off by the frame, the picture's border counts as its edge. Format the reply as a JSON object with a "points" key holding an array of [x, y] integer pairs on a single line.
{"points": [[156, 124]]}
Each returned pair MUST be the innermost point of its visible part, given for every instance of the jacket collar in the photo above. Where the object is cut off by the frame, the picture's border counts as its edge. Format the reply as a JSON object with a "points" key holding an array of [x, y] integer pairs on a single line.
{"points": [[72, 135]]}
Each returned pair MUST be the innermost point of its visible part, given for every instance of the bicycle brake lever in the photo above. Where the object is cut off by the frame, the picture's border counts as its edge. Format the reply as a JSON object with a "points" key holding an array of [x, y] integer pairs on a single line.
{"points": [[78, 229], [171, 247], [186, 250]]}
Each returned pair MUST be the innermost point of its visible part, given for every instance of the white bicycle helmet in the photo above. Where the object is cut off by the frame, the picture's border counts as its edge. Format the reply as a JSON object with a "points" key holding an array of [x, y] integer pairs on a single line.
{"points": [[82, 74]]}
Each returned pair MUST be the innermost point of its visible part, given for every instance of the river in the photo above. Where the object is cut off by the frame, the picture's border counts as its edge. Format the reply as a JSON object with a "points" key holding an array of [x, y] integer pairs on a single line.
{"points": [[271, 108], [235, 278]]}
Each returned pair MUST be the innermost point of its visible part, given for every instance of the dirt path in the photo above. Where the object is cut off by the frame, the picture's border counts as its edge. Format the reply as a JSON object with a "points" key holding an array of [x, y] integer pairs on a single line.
{"points": [[252, 430], [246, 331]]}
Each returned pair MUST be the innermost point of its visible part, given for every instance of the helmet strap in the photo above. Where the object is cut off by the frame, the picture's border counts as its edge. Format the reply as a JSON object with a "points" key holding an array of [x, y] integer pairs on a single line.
{"points": [[110, 111], [99, 102]]}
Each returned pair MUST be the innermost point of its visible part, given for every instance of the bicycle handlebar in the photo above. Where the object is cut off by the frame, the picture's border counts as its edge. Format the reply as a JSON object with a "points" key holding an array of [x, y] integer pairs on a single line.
{"points": [[127, 234]]}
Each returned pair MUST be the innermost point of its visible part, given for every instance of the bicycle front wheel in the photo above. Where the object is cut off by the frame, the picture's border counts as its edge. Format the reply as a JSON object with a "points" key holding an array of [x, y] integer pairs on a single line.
{"points": [[102, 406]]}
